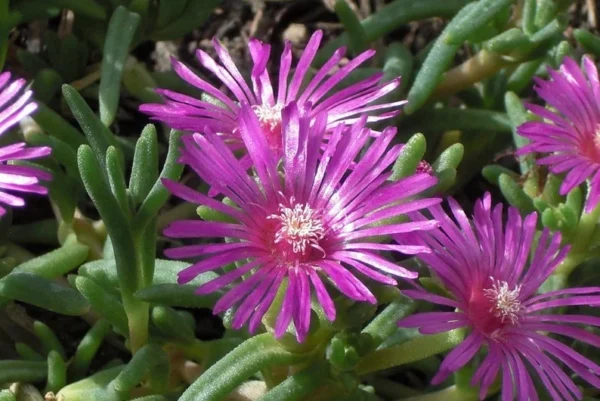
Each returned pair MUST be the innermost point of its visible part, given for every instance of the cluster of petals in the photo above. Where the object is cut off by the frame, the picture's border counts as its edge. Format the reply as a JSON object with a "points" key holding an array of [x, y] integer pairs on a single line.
{"points": [[311, 223], [15, 104], [492, 282], [570, 133], [342, 106]]}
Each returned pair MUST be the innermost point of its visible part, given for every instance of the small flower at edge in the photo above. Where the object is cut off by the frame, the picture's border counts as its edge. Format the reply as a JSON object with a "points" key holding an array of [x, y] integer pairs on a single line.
{"points": [[16, 104], [483, 263]]}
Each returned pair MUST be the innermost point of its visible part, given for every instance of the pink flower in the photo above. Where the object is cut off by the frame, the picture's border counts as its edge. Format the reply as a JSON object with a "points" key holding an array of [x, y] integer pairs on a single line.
{"points": [[570, 133], [343, 106], [484, 265], [310, 224], [16, 104]]}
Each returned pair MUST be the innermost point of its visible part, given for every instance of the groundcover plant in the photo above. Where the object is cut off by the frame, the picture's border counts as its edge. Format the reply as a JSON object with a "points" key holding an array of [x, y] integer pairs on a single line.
{"points": [[299, 200]]}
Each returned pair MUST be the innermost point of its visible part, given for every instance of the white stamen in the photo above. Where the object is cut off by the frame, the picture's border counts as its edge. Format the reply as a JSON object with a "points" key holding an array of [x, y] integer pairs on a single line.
{"points": [[269, 116], [300, 227], [506, 304]]}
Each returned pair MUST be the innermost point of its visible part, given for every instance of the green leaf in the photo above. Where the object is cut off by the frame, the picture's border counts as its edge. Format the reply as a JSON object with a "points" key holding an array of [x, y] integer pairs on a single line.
{"points": [[172, 324], [416, 349], [518, 115], [139, 82], [521, 77], [95, 387], [31, 62], [177, 295], [22, 371], [479, 15], [116, 179], [28, 353], [158, 195], [446, 119], [48, 339], [507, 41], [493, 172], [53, 124], [57, 262], [57, 372], [528, 18], [514, 193], [351, 23], [43, 293], [300, 385], [168, 11], [449, 158], [61, 151], [46, 84], [391, 17], [398, 62], [88, 347], [255, 354], [99, 137], [438, 60], [385, 323], [104, 303], [149, 360], [121, 29], [410, 156], [116, 222], [546, 10], [194, 15], [105, 272], [144, 172], [68, 65], [589, 41]]}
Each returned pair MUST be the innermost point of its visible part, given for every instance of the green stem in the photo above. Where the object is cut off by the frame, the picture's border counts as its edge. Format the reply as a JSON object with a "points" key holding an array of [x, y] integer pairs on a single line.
{"points": [[414, 350], [451, 393], [138, 316], [256, 353]]}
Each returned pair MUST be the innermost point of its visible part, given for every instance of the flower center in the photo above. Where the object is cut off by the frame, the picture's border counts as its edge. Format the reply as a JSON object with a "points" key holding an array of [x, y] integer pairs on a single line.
{"points": [[493, 308], [269, 118], [505, 302], [299, 228]]}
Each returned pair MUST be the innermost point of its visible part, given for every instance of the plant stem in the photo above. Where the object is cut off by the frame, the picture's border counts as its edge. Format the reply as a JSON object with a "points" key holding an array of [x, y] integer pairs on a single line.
{"points": [[483, 65], [414, 350], [138, 316]]}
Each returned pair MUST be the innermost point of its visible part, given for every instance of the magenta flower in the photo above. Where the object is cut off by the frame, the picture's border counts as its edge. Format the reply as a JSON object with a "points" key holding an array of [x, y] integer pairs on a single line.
{"points": [[343, 106], [310, 225], [571, 132], [484, 265], [14, 105]]}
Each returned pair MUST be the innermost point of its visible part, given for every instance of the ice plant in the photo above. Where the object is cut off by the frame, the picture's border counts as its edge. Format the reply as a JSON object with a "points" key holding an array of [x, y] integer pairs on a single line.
{"points": [[186, 113], [485, 266], [15, 103], [308, 224], [571, 132]]}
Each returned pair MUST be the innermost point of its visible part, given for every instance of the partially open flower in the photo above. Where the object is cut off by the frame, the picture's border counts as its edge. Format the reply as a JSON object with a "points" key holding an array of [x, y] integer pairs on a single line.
{"points": [[310, 226], [16, 104], [485, 265], [571, 134], [343, 106]]}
